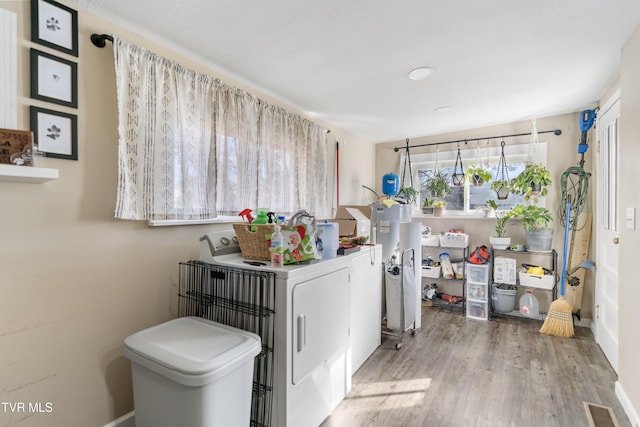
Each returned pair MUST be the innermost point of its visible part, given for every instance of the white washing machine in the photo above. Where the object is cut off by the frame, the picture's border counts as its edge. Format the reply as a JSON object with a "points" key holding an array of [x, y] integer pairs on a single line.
{"points": [[327, 322]]}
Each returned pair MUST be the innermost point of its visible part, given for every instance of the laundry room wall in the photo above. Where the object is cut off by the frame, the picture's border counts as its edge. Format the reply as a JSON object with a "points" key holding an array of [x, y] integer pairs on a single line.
{"points": [[562, 152], [75, 281]]}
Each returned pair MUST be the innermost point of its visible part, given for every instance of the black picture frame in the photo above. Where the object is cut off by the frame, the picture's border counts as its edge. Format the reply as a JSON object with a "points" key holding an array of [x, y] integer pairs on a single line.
{"points": [[54, 25], [54, 133], [54, 79]]}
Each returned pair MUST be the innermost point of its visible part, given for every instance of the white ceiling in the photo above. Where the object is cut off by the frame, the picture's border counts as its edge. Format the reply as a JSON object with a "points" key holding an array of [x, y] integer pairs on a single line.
{"points": [[346, 62]]}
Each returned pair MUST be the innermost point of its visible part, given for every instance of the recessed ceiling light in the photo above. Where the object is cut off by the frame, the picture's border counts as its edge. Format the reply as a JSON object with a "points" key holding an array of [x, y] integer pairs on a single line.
{"points": [[420, 73], [442, 109]]}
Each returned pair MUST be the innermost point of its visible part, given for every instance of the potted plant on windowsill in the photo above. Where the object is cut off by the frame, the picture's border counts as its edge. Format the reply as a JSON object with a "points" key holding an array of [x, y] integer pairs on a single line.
{"points": [[427, 206], [537, 222], [500, 241], [533, 181], [477, 175], [438, 184], [438, 207]]}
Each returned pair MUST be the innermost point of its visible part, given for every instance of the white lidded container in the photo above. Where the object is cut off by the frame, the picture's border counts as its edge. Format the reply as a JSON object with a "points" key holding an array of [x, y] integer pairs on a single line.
{"points": [[192, 372], [329, 240]]}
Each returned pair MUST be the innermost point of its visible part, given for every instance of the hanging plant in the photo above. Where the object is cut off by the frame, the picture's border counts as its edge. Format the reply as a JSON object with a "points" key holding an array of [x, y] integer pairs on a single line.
{"points": [[477, 175], [458, 171], [502, 184], [533, 181], [438, 184]]}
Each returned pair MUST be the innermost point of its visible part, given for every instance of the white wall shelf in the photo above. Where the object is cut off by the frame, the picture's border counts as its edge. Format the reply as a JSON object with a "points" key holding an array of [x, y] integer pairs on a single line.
{"points": [[13, 173]]}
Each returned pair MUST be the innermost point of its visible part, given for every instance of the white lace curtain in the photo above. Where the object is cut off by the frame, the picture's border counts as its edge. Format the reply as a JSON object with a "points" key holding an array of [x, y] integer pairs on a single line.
{"points": [[191, 147]]}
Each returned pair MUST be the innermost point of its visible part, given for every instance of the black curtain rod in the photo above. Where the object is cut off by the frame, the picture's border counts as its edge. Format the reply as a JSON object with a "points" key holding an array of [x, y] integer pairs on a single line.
{"points": [[396, 149], [100, 40]]}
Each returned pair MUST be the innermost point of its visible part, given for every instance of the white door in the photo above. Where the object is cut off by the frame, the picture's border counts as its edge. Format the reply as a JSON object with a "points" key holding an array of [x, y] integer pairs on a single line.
{"points": [[606, 292]]}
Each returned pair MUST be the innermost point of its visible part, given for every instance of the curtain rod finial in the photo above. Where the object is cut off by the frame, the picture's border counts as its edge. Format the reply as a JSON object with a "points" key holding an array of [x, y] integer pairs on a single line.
{"points": [[100, 40]]}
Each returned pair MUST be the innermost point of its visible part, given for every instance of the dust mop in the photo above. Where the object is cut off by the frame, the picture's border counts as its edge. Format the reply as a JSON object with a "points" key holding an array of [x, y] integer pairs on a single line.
{"points": [[559, 320]]}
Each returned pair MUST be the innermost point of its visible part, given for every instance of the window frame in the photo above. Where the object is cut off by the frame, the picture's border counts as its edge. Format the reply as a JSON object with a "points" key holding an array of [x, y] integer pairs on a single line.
{"points": [[514, 153]]}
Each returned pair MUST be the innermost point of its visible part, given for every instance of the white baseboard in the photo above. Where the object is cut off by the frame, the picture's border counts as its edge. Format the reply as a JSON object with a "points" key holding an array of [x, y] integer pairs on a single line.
{"points": [[631, 412], [127, 420]]}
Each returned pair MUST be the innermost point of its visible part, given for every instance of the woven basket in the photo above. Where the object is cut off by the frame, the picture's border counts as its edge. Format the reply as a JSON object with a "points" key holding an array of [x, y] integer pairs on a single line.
{"points": [[253, 244]]}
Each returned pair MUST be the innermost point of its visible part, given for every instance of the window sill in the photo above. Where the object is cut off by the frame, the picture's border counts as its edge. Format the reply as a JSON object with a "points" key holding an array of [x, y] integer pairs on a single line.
{"points": [[172, 222]]}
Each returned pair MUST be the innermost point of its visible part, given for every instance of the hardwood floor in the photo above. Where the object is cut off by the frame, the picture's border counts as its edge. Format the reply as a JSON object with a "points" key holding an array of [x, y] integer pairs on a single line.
{"points": [[464, 372]]}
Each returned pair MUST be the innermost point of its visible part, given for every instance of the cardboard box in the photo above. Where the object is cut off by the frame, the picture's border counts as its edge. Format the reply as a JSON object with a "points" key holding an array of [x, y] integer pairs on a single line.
{"points": [[354, 220]]}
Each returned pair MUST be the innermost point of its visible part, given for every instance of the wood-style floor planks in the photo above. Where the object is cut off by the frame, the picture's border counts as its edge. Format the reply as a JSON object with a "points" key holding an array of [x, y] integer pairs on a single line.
{"points": [[462, 372]]}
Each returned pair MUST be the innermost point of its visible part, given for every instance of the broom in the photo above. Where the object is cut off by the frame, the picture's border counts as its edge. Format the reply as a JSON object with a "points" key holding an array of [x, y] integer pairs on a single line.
{"points": [[559, 320]]}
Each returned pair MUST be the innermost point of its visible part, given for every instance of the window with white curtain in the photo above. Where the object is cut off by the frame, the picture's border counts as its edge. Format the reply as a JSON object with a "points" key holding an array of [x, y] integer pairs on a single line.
{"points": [[192, 147]]}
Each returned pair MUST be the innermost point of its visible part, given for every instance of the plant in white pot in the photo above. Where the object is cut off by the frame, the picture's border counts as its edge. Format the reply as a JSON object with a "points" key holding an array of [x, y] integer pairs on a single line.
{"points": [[500, 241], [537, 222]]}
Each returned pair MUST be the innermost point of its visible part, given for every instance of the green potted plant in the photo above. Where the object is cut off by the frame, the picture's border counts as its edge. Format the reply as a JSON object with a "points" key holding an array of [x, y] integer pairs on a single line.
{"points": [[427, 206], [438, 207], [533, 181], [502, 188], [438, 184], [500, 241], [477, 175], [537, 222], [408, 195]]}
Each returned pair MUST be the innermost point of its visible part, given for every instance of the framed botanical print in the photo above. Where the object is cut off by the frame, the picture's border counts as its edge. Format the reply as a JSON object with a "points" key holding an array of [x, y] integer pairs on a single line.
{"points": [[54, 79], [54, 25], [55, 133]]}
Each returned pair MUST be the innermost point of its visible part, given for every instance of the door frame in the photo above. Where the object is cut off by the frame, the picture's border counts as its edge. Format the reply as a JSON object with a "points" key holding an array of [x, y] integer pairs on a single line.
{"points": [[597, 324]]}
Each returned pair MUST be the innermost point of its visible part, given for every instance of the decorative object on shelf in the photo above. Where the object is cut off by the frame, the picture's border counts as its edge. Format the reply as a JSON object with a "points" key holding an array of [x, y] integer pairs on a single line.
{"points": [[458, 171], [54, 25], [55, 133], [502, 184], [54, 79], [536, 221], [16, 147]]}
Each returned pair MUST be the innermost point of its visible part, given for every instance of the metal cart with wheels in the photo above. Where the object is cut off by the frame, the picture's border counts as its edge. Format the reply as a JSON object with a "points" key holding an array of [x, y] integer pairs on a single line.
{"points": [[400, 282]]}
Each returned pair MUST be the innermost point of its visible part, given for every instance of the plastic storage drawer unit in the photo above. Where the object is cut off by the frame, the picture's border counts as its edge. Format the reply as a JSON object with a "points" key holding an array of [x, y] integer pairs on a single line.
{"points": [[192, 372], [477, 273]]}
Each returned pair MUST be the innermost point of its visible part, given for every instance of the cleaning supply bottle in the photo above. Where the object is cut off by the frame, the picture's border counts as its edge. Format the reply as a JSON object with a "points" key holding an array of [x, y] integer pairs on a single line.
{"points": [[277, 247], [529, 305], [262, 217]]}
